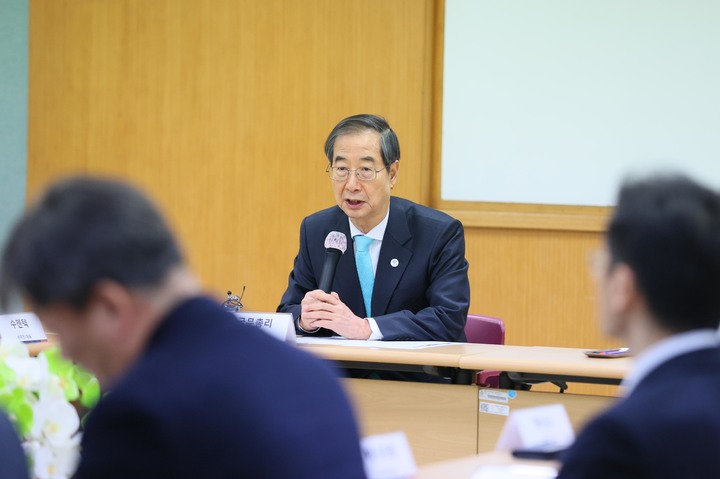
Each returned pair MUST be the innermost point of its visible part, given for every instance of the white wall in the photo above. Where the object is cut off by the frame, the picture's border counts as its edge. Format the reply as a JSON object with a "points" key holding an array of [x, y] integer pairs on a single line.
{"points": [[554, 101]]}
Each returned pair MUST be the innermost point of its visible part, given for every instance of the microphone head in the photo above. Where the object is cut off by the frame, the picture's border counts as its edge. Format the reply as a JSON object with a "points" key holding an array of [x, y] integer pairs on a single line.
{"points": [[337, 240]]}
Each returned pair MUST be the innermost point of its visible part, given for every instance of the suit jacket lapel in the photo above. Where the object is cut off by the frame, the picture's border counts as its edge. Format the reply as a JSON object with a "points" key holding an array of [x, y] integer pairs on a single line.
{"points": [[393, 252]]}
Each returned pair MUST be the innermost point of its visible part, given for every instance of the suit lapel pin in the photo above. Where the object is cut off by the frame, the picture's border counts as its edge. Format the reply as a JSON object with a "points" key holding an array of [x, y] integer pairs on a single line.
{"points": [[394, 262]]}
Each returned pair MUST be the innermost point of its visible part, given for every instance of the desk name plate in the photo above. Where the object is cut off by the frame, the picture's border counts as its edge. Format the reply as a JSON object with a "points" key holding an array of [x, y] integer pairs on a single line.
{"points": [[278, 325], [23, 327]]}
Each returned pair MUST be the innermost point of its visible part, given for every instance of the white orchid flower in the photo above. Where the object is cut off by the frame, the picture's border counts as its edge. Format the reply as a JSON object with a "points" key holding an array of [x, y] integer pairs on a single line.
{"points": [[30, 373], [50, 423], [53, 462], [13, 348], [52, 389], [54, 420]]}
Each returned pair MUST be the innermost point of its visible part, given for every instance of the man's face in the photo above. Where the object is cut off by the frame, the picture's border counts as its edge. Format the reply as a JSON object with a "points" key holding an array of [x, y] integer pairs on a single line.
{"points": [[84, 337], [365, 202]]}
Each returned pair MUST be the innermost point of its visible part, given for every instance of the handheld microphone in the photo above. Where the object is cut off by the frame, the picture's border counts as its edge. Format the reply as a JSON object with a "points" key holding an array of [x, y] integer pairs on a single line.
{"points": [[335, 246]]}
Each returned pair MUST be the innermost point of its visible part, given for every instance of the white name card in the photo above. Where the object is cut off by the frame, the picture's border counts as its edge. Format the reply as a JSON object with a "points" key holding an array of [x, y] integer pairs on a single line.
{"points": [[388, 456], [546, 427], [515, 471], [278, 325], [23, 327]]}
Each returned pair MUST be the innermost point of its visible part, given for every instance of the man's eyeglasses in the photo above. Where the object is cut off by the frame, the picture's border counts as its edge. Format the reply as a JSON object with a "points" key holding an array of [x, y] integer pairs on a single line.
{"points": [[342, 173]]}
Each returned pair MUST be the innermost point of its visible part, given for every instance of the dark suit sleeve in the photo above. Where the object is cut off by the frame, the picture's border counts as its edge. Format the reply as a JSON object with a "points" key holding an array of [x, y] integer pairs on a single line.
{"points": [[12, 460], [446, 297], [301, 280], [606, 448]]}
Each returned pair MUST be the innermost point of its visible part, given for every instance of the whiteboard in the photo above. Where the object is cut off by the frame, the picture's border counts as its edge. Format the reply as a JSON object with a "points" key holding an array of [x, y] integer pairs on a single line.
{"points": [[556, 101]]}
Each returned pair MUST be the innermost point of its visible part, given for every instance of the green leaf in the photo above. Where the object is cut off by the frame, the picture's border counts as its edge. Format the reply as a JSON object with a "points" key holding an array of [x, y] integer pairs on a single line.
{"points": [[7, 376], [18, 394], [70, 388], [24, 419], [56, 363], [82, 377], [90, 393], [5, 399], [21, 411]]}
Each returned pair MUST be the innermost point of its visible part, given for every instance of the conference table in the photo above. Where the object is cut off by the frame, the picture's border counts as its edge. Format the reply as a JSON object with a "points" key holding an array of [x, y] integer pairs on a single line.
{"points": [[447, 421], [451, 421]]}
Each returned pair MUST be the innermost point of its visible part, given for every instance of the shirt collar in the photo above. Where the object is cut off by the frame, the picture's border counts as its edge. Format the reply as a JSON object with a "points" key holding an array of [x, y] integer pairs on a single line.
{"points": [[376, 233], [666, 350]]}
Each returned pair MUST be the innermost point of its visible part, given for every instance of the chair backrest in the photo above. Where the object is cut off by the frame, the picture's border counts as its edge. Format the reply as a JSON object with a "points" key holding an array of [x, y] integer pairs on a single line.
{"points": [[485, 329]]}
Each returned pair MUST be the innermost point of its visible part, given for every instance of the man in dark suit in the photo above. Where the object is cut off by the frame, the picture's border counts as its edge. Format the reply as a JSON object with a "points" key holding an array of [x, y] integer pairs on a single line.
{"points": [[659, 283], [13, 464], [191, 392], [418, 286]]}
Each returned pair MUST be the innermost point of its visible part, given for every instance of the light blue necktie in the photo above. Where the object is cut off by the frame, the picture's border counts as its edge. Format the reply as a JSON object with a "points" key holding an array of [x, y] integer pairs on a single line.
{"points": [[365, 269]]}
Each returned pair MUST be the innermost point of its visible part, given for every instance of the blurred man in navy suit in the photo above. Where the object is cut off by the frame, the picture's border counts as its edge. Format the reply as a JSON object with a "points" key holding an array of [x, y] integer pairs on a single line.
{"points": [[191, 392], [659, 283]]}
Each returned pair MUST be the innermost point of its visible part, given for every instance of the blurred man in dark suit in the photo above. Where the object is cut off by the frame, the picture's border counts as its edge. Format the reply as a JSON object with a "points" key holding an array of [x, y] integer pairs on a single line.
{"points": [[192, 392], [659, 283]]}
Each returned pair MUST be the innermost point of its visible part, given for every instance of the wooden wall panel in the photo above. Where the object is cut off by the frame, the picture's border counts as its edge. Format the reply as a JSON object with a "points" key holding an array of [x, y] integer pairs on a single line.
{"points": [[220, 110], [538, 282]]}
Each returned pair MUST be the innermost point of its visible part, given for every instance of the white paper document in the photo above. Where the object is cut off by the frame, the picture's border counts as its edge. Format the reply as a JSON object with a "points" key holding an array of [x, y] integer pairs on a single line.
{"points": [[388, 456], [537, 427], [339, 341]]}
